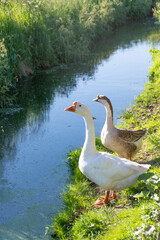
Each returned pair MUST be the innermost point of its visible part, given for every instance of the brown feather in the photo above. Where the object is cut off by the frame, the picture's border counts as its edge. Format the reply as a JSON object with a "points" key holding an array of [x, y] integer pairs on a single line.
{"points": [[130, 136]]}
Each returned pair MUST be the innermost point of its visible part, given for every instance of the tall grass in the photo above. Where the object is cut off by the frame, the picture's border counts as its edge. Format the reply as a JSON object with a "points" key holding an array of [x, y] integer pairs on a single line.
{"points": [[43, 33]]}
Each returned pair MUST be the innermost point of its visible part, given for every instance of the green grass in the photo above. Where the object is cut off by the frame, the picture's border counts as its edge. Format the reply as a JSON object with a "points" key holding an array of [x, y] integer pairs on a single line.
{"points": [[134, 223], [135, 213], [42, 33]]}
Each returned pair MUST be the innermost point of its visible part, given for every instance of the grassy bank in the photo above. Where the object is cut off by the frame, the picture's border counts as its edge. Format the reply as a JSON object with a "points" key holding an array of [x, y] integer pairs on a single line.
{"points": [[42, 33], [136, 212]]}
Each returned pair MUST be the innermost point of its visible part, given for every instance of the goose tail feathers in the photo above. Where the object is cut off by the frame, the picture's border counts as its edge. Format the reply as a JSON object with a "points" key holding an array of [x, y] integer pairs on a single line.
{"points": [[145, 167]]}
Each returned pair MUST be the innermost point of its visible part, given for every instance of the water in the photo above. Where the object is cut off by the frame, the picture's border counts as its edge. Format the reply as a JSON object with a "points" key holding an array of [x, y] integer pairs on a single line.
{"points": [[37, 139]]}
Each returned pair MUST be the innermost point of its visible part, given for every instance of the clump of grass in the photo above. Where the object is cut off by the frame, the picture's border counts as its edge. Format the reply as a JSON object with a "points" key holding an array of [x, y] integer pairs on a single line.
{"points": [[92, 223], [7, 74], [140, 222], [76, 199]]}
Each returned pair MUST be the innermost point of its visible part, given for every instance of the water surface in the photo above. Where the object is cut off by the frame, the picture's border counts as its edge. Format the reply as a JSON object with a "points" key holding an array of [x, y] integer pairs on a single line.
{"points": [[36, 139]]}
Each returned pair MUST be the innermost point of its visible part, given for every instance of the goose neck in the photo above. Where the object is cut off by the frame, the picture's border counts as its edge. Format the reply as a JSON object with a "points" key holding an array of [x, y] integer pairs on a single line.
{"points": [[89, 146], [109, 117]]}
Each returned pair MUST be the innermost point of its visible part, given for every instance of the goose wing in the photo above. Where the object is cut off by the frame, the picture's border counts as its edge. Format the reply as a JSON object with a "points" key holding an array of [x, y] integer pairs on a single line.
{"points": [[117, 168], [131, 136]]}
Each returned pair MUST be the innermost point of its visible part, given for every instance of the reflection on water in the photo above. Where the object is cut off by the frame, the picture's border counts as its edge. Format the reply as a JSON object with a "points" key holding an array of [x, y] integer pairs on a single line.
{"points": [[37, 138]]}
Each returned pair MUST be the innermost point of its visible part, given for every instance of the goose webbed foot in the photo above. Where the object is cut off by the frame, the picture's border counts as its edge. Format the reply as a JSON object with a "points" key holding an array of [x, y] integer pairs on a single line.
{"points": [[100, 202]]}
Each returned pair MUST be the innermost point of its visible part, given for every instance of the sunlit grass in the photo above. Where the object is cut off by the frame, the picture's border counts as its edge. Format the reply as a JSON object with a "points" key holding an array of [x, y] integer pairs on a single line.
{"points": [[134, 223]]}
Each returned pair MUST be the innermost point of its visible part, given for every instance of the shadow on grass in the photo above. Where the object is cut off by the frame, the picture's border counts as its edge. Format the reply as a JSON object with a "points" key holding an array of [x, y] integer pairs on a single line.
{"points": [[154, 162]]}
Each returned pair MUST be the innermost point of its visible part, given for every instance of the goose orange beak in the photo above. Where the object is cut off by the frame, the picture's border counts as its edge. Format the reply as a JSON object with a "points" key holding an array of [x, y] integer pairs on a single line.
{"points": [[72, 108]]}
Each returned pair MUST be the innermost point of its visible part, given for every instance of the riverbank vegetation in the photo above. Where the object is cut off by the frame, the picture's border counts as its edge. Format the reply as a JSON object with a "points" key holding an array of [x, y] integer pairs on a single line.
{"points": [[135, 214], [41, 33]]}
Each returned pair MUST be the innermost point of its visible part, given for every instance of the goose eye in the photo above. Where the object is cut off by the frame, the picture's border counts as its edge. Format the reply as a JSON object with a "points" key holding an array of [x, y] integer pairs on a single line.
{"points": [[80, 105]]}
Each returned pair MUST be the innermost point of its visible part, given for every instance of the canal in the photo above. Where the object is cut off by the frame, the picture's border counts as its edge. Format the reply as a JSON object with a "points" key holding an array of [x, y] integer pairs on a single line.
{"points": [[36, 138]]}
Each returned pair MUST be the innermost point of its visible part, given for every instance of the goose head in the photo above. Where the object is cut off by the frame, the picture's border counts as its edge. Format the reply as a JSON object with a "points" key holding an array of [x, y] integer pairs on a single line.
{"points": [[78, 108], [106, 102], [103, 99]]}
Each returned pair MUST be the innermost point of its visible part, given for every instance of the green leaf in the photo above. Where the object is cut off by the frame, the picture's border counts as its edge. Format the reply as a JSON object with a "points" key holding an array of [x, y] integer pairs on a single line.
{"points": [[145, 176]]}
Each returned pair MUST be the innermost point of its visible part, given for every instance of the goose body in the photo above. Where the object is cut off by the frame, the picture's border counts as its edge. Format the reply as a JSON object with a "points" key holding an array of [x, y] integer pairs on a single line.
{"points": [[125, 142], [110, 172], [104, 169]]}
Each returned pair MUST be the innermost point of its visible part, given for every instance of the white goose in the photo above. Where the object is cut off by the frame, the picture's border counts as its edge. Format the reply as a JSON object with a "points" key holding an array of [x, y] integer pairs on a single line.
{"points": [[106, 170], [123, 141]]}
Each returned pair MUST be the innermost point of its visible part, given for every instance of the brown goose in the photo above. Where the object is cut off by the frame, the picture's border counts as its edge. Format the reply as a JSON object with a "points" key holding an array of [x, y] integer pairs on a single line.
{"points": [[125, 142]]}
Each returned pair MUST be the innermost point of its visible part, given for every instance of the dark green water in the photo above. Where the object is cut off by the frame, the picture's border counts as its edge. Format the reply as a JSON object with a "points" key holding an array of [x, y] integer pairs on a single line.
{"points": [[36, 140]]}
